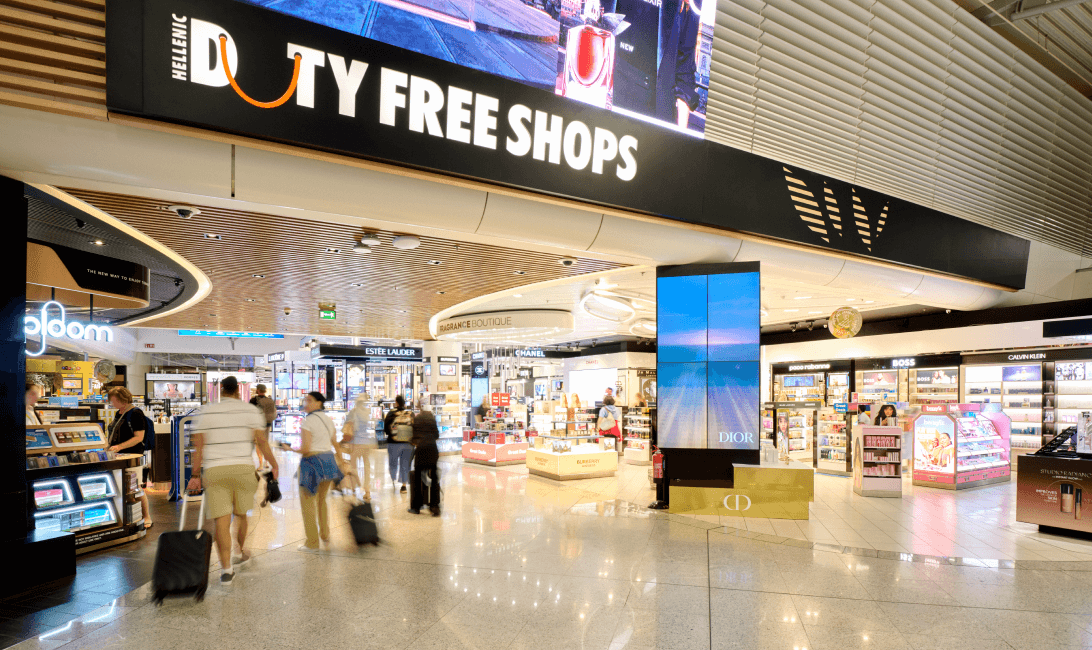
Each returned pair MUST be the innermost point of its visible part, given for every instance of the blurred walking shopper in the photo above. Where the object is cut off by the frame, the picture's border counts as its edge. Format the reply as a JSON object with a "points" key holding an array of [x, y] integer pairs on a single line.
{"points": [[398, 426], [268, 409], [357, 434], [318, 469], [426, 456], [228, 432], [609, 420]]}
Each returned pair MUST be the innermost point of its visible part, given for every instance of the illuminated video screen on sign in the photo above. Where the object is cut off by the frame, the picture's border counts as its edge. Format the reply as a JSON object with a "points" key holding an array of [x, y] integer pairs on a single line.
{"points": [[708, 358], [649, 60]]}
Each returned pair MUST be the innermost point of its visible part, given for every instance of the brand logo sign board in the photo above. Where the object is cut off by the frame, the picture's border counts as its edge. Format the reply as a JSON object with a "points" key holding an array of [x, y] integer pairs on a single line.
{"points": [[166, 376], [238, 68], [274, 357], [44, 328]]}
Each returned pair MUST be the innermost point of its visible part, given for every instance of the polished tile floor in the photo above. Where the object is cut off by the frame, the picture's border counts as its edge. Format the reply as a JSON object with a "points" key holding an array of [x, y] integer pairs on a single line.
{"points": [[517, 561]]}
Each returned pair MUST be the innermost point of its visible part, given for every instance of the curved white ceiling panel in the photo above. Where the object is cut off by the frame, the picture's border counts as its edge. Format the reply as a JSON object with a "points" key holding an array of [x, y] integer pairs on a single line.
{"points": [[792, 265], [292, 181], [889, 282], [661, 242], [539, 222]]}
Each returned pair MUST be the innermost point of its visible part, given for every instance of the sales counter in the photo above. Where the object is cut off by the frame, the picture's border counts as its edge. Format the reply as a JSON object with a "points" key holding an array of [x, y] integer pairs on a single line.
{"points": [[770, 490], [75, 486], [565, 458]]}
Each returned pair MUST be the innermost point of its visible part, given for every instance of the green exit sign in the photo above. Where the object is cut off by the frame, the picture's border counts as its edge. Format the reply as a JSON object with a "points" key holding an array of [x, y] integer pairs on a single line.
{"points": [[327, 314]]}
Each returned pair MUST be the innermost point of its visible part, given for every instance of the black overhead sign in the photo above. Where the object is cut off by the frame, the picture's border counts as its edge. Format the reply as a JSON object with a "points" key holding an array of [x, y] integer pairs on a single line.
{"points": [[295, 81], [367, 352]]}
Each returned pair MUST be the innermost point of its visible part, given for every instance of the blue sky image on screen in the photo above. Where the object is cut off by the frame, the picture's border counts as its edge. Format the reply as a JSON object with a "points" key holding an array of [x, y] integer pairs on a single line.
{"points": [[682, 318], [681, 405], [734, 317], [733, 405]]}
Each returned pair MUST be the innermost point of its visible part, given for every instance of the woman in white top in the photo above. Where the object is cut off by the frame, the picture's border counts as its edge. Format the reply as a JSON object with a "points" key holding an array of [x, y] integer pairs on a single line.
{"points": [[34, 393], [357, 434], [318, 469]]}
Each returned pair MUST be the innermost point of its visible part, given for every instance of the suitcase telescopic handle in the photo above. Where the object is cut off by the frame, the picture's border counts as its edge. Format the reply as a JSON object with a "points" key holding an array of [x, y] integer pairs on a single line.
{"points": [[200, 515]]}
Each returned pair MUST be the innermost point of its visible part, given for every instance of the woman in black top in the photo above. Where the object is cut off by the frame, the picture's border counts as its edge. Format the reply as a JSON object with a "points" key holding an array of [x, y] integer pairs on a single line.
{"points": [[127, 435]]}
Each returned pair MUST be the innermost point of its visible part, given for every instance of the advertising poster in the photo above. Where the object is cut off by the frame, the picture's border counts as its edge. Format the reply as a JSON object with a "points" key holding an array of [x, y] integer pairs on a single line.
{"points": [[708, 361], [881, 378], [646, 59], [1072, 371], [942, 377], [1051, 492], [934, 449]]}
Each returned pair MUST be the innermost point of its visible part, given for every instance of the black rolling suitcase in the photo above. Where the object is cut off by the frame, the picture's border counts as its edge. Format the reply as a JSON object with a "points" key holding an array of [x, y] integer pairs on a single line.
{"points": [[182, 561], [362, 521]]}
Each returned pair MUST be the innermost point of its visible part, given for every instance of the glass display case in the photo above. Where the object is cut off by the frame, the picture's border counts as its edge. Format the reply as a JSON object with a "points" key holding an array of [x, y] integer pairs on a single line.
{"points": [[831, 442], [933, 386], [638, 435], [1018, 390], [959, 446]]}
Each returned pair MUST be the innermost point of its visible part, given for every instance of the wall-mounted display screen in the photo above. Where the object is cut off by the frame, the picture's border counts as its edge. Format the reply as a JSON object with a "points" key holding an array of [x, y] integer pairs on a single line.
{"points": [[646, 59], [880, 378], [938, 376], [798, 381], [708, 360], [1022, 373], [447, 370], [174, 390], [284, 380]]}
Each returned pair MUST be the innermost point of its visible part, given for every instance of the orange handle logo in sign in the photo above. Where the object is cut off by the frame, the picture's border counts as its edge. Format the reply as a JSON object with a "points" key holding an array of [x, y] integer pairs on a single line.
{"points": [[231, 79]]}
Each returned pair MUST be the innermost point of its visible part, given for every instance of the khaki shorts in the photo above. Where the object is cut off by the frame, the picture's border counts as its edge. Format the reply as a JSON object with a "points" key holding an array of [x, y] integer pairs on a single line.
{"points": [[229, 489]]}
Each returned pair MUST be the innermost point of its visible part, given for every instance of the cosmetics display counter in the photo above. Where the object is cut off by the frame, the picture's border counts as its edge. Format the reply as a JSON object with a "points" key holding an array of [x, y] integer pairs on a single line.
{"points": [[772, 489], [1052, 483], [76, 486], [494, 448], [576, 456], [795, 422], [877, 461], [960, 446], [1018, 390]]}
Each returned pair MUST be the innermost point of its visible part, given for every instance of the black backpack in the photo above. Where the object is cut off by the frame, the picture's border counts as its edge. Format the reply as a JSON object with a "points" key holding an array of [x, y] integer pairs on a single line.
{"points": [[149, 430]]}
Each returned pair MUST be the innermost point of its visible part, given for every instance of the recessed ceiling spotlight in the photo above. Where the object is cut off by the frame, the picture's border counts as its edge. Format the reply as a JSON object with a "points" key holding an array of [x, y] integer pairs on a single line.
{"points": [[184, 211], [517, 295], [370, 240], [362, 248], [212, 314], [356, 284], [210, 235], [333, 250], [869, 302], [520, 272], [434, 262], [850, 299], [406, 242], [257, 275], [250, 300], [98, 242], [441, 292]]}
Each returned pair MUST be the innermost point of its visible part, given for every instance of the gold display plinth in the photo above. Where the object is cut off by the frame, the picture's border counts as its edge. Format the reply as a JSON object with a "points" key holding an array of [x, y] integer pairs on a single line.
{"points": [[770, 491]]}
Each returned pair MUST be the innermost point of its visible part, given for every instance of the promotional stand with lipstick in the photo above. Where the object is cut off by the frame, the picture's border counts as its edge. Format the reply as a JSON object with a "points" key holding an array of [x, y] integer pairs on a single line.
{"points": [[1051, 483]]}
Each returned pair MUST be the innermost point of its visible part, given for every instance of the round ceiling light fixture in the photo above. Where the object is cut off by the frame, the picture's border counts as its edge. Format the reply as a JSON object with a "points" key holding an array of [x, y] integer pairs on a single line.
{"points": [[406, 242], [370, 240], [361, 247], [615, 305]]}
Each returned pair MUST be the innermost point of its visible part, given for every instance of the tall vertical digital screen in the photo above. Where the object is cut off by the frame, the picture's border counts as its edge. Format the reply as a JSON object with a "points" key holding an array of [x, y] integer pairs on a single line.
{"points": [[708, 359]]}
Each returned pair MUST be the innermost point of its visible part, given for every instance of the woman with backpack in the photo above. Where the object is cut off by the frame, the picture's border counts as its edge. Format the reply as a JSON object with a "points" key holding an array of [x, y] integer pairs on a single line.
{"points": [[608, 420], [398, 426], [126, 435]]}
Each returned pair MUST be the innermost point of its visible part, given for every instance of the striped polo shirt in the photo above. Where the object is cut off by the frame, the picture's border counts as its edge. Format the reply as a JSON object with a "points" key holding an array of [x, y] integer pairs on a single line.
{"points": [[228, 430]]}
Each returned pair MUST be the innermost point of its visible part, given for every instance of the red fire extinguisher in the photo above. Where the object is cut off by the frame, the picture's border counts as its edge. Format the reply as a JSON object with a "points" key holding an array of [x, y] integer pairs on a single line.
{"points": [[657, 464]]}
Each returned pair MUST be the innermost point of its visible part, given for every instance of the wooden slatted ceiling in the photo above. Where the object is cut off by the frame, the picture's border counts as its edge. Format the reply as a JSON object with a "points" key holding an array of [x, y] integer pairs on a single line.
{"points": [[399, 292], [53, 56]]}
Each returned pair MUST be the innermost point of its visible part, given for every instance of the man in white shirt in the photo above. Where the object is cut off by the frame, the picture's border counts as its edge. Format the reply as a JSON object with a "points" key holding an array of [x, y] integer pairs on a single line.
{"points": [[227, 433]]}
